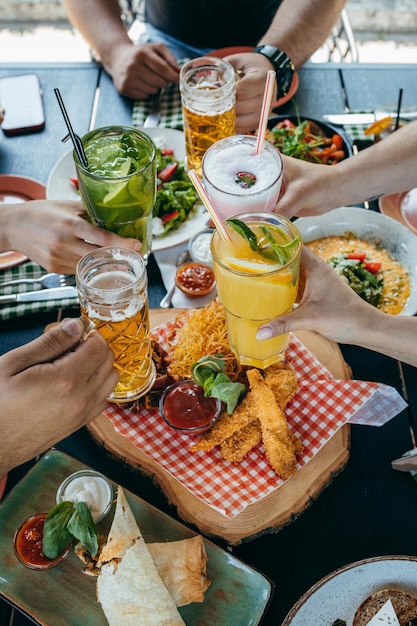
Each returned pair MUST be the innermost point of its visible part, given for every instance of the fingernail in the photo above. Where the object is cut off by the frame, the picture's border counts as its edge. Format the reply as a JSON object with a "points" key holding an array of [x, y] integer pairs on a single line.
{"points": [[264, 333], [71, 326]]}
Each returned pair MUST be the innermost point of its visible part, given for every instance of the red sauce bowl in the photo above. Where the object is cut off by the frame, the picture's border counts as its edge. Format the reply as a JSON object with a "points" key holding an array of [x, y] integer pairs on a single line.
{"points": [[184, 408], [28, 544], [195, 279]]}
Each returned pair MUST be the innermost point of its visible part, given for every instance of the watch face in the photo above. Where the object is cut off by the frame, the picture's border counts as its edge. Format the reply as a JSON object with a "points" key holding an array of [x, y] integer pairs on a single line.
{"points": [[284, 80]]}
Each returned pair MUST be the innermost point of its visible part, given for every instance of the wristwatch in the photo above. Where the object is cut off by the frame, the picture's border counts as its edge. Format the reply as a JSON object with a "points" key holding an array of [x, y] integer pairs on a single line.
{"points": [[283, 66]]}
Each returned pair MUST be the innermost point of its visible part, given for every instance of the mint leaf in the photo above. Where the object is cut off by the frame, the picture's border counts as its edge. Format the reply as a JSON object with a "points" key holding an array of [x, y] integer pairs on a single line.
{"points": [[244, 231]]}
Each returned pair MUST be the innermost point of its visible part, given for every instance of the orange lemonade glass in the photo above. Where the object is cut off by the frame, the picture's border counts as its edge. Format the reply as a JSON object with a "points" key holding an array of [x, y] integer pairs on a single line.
{"points": [[112, 288], [257, 276]]}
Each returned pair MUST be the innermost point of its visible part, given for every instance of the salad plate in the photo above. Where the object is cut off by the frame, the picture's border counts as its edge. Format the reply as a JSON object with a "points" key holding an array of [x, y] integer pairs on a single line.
{"points": [[13, 190], [65, 596], [60, 187]]}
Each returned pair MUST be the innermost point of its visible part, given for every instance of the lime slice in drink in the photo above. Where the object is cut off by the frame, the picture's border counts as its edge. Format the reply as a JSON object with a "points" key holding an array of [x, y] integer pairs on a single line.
{"points": [[119, 194], [119, 168]]}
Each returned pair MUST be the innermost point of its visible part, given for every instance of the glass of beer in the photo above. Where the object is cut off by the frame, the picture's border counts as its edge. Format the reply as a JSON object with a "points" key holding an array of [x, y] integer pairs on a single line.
{"points": [[112, 287], [118, 187], [208, 96], [238, 180], [257, 279]]}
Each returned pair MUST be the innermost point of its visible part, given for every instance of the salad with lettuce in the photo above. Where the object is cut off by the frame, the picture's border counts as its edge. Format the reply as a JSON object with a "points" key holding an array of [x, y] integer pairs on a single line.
{"points": [[175, 196]]}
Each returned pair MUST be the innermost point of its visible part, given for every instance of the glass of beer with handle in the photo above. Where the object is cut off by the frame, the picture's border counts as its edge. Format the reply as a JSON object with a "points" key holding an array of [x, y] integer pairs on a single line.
{"points": [[112, 287], [208, 96], [257, 275]]}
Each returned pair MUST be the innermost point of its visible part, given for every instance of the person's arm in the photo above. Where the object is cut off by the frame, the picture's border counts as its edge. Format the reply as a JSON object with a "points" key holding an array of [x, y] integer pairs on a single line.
{"points": [[137, 69], [330, 307], [299, 27], [51, 387], [54, 234], [386, 167]]}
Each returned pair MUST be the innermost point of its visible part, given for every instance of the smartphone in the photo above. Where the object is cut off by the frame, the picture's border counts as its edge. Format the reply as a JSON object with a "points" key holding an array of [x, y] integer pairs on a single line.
{"points": [[22, 101]]}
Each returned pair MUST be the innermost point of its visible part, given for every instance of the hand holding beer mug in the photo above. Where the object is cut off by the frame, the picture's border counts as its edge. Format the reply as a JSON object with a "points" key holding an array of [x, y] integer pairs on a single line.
{"points": [[257, 272], [208, 95], [112, 288], [118, 187]]}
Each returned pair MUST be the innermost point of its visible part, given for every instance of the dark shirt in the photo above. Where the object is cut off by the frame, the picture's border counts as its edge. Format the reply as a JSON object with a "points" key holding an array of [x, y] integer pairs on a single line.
{"points": [[214, 24]]}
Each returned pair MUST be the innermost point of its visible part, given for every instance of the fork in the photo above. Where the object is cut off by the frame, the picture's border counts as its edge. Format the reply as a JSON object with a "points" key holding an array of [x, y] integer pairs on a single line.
{"points": [[47, 281]]}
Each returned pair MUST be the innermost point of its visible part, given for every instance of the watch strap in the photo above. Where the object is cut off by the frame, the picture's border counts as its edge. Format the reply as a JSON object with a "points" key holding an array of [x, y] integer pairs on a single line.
{"points": [[283, 66]]}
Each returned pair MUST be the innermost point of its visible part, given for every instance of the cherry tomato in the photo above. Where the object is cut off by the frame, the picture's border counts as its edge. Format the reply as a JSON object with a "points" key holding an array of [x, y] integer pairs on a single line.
{"points": [[360, 256], [373, 267]]}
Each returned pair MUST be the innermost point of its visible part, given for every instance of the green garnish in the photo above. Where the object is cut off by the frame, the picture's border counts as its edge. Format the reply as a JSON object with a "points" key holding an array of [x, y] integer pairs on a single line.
{"points": [[209, 373], [269, 248], [67, 520]]}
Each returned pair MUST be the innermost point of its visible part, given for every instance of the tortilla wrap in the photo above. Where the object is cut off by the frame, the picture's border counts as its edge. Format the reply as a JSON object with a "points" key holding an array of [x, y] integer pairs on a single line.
{"points": [[129, 587], [182, 567]]}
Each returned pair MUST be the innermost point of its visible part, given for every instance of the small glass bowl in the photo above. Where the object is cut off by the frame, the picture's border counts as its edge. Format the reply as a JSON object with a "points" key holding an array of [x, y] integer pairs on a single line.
{"points": [[188, 277], [102, 489], [27, 543], [199, 246], [186, 410]]}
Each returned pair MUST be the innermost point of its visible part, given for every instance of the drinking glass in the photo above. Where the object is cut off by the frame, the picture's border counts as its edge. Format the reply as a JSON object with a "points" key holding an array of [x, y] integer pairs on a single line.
{"points": [[239, 181], [208, 96], [256, 285], [112, 288], [118, 188]]}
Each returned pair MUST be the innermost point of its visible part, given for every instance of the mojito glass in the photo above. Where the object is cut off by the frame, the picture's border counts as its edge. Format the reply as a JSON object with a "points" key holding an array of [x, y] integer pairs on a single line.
{"points": [[118, 188]]}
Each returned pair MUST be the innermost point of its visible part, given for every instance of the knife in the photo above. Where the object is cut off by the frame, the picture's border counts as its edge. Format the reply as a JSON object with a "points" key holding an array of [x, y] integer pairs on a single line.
{"points": [[346, 119], [152, 120], [41, 295]]}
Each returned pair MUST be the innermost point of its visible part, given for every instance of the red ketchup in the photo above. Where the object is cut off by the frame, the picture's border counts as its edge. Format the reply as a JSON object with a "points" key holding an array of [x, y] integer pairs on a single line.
{"points": [[185, 408], [195, 279], [28, 544]]}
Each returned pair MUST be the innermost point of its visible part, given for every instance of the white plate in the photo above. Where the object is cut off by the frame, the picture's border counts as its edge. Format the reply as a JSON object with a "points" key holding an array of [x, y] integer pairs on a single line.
{"points": [[373, 226], [59, 186], [339, 595]]}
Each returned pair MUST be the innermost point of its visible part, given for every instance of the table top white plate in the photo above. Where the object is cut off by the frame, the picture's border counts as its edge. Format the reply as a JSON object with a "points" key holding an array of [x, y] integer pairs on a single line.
{"points": [[372, 226], [339, 595], [60, 187]]}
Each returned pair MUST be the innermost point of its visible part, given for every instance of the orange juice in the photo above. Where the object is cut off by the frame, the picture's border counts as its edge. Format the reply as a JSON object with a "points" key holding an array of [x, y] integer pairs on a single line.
{"points": [[256, 285]]}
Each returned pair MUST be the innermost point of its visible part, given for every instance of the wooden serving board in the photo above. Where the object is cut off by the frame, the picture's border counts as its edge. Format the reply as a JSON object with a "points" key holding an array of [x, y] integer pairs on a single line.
{"points": [[273, 511]]}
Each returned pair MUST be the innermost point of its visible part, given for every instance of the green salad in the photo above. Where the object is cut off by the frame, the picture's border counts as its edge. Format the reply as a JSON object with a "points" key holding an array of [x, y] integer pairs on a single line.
{"points": [[363, 276], [175, 196]]}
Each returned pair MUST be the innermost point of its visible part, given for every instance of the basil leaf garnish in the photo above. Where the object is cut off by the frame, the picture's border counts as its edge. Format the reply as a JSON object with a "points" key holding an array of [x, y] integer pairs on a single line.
{"points": [[55, 532], [82, 527], [209, 373]]}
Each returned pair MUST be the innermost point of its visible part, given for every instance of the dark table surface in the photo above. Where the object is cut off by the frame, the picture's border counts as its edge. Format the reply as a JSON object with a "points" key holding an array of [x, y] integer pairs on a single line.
{"points": [[368, 509]]}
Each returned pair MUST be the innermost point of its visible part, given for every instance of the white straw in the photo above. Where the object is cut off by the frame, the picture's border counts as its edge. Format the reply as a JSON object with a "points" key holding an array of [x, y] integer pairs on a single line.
{"points": [[209, 206], [266, 107]]}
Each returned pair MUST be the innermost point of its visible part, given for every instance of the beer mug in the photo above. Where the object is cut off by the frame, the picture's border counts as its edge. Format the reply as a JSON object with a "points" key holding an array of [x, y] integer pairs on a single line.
{"points": [[208, 96], [112, 287]]}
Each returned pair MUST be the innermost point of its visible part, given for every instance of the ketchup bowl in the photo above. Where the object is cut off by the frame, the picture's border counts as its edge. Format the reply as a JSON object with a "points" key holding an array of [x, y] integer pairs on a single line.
{"points": [[195, 279], [184, 408], [28, 544]]}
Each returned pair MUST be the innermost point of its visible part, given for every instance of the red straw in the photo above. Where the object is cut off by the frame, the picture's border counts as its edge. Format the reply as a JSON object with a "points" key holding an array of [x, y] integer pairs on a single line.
{"points": [[266, 107], [209, 206]]}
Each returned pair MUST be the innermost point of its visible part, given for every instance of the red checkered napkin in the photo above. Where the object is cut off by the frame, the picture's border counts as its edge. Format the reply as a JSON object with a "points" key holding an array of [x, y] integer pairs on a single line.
{"points": [[321, 406]]}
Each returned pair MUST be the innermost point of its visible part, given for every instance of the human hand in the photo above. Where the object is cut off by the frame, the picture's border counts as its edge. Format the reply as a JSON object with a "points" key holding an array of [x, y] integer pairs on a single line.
{"points": [[252, 69], [328, 306], [56, 236], [139, 70], [50, 388]]}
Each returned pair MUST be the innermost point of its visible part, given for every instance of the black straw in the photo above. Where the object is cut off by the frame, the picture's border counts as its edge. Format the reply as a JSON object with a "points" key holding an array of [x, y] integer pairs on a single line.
{"points": [[397, 120], [78, 146]]}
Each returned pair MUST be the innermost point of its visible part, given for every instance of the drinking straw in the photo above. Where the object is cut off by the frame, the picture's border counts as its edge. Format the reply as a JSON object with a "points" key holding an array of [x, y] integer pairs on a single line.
{"points": [[78, 146], [266, 107], [198, 185], [397, 119]]}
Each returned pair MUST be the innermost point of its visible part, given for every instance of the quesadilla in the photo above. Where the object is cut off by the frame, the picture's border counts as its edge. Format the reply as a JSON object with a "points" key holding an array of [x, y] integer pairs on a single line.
{"points": [[129, 587]]}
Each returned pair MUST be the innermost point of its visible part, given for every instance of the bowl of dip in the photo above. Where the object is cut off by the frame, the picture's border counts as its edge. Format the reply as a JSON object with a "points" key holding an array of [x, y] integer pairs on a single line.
{"points": [[28, 544], [90, 487], [186, 410], [195, 279], [199, 246]]}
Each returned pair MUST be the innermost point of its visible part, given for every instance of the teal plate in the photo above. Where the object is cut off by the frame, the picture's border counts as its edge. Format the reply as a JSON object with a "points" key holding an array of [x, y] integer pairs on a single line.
{"points": [[64, 596]]}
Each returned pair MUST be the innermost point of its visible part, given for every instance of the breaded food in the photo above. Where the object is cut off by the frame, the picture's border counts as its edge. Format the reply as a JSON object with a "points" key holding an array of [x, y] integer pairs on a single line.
{"points": [[227, 425], [281, 379], [276, 435], [236, 447]]}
